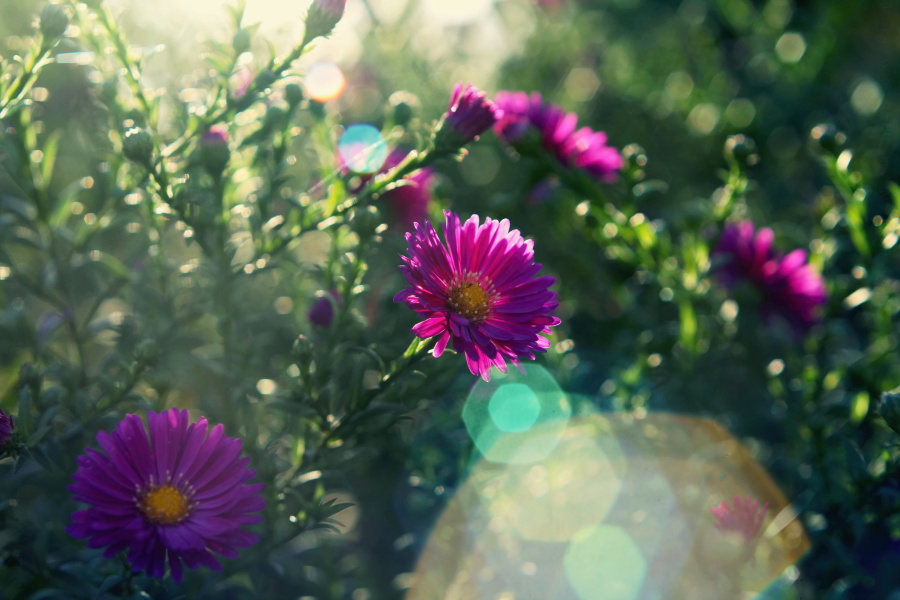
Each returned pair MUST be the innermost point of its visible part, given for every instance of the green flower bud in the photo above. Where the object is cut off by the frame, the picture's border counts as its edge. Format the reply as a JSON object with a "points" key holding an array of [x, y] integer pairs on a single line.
{"points": [[138, 146], [828, 138], [741, 150], [54, 21], [30, 376], [293, 93], [366, 221], [322, 17], [241, 41], [403, 106], [214, 150]]}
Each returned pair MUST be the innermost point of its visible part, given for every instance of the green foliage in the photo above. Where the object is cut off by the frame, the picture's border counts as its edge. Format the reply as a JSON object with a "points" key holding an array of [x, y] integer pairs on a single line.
{"points": [[141, 270]]}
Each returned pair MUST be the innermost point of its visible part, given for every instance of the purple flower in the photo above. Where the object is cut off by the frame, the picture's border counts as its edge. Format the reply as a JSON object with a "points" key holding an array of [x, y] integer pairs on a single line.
{"points": [[478, 290], [6, 428], [743, 516], [787, 284], [321, 313], [470, 113], [178, 494], [408, 202], [558, 133]]}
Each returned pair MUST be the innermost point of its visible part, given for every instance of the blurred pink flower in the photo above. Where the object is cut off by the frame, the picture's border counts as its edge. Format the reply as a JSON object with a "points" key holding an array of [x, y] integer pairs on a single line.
{"points": [[787, 284], [407, 204], [470, 113], [558, 132], [743, 516]]}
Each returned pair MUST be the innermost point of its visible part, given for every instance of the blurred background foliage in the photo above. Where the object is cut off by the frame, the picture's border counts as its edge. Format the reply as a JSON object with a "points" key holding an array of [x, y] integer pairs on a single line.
{"points": [[674, 77]]}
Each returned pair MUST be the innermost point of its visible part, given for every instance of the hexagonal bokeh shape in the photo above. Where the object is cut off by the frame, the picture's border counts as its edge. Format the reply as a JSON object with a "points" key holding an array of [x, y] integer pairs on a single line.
{"points": [[658, 541], [499, 415], [603, 563]]}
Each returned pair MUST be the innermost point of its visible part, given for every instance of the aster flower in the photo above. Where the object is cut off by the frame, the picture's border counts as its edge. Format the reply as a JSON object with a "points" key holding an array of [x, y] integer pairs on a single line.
{"points": [[743, 516], [468, 115], [787, 284], [178, 494], [558, 133], [6, 428], [479, 291]]}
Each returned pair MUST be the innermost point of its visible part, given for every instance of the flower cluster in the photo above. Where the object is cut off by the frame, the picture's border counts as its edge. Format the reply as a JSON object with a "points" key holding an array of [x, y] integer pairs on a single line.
{"points": [[559, 134], [178, 494], [787, 284], [479, 291], [743, 516]]}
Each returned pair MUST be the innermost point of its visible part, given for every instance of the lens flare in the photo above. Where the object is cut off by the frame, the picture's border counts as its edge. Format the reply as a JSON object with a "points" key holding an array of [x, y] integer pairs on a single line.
{"points": [[613, 508], [363, 149], [499, 415], [324, 82]]}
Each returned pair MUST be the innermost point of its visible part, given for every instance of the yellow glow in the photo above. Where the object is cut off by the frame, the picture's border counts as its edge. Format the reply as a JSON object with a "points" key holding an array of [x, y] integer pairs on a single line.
{"points": [[324, 82]]}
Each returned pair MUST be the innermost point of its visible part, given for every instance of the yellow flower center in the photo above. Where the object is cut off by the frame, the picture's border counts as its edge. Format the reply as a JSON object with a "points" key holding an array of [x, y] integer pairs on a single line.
{"points": [[165, 505], [470, 300]]}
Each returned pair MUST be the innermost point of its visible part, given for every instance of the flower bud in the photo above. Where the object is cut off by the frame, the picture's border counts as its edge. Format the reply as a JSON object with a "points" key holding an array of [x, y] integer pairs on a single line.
{"points": [[828, 138], [322, 17], [138, 146], [293, 93], [741, 150], [366, 221], [54, 21], [214, 150], [322, 311], [889, 409], [404, 106], [241, 41], [468, 115]]}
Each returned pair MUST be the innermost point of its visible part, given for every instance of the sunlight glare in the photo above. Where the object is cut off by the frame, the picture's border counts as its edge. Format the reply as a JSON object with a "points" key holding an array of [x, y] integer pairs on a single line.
{"points": [[324, 82]]}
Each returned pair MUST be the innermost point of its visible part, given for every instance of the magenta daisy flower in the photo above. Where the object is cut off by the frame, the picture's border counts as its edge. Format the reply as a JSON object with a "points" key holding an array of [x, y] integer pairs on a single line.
{"points": [[479, 291], [470, 113], [743, 516], [558, 132], [178, 494], [787, 284], [6, 428]]}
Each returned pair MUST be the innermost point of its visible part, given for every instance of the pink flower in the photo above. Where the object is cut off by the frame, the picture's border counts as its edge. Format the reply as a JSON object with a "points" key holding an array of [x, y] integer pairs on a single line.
{"points": [[407, 203], [558, 132], [470, 113], [787, 284], [743, 516], [479, 291]]}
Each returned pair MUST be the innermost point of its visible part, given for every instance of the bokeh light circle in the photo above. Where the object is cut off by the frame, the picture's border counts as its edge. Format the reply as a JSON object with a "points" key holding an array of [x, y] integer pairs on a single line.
{"points": [[324, 82], [499, 414], [362, 148]]}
